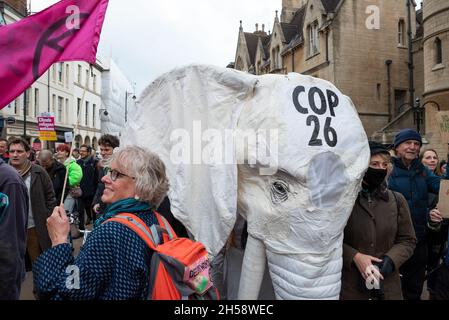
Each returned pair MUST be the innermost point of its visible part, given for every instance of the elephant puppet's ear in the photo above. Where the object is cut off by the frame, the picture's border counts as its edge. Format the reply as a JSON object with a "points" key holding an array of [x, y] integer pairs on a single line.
{"points": [[185, 116]]}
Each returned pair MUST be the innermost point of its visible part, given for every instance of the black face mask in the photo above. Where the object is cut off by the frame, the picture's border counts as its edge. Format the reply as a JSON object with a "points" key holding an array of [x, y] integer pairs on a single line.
{"points": [[373, 178]]}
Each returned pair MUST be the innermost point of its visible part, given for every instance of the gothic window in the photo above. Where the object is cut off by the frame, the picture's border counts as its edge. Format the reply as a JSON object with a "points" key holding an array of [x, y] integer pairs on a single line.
{"points": [[313, 38], [239, 64], [274, 61], [438, 51]]}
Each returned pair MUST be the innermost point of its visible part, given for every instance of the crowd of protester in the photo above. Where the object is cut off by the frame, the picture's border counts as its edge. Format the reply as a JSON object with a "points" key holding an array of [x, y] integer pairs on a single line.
{"points": [[396, 236]]}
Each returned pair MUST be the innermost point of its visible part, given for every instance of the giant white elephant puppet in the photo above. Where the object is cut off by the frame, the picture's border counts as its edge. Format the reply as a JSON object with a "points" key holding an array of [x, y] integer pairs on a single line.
{"points": [[287, 152]]}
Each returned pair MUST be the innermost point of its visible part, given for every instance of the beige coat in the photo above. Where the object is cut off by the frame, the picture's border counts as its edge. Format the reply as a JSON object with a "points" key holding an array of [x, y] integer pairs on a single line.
{"points": [[375, 228]]}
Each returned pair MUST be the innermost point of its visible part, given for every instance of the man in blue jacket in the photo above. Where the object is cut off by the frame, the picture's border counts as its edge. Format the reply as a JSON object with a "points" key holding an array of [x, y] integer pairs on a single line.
{"points": [[411, 178], [13, 231]]}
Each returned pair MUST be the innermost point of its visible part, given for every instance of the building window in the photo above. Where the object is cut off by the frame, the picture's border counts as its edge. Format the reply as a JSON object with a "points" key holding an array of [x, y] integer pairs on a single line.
{"points": [[66, 113], [54, 104], [78, 107], [67, 70], [438, 51], [94, 83], [16, 103], [401, 32], [87, 114], [399, 98], [313, 38], [80, 70], [26, 102], [276, 59], [36, 102], [86, 83], [60, 72], [94, 120], [59, 115], [239, 65]]}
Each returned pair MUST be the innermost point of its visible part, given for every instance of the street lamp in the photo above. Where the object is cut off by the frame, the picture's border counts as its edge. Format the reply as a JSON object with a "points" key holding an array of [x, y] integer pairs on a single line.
{"points": [[418, 111], [127, 94]]}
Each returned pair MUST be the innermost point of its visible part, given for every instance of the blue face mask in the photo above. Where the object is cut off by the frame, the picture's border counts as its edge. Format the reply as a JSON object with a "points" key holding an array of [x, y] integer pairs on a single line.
{"points": [[4, 204]]}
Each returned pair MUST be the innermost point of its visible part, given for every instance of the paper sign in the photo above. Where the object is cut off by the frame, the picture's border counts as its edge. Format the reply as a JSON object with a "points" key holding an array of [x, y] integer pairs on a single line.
{"points": [[46, 123], [443, 123], [47, 135], [68, 137], [443, 203]]}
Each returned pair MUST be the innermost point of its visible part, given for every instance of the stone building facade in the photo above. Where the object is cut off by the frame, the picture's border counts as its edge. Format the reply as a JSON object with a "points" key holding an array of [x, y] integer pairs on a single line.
{"points": [[60, 92], [435, 44], [358, 45]]}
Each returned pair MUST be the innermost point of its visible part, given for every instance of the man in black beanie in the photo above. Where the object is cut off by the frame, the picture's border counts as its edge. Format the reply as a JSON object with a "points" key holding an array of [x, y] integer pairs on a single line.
{"points": [[411, 178]]}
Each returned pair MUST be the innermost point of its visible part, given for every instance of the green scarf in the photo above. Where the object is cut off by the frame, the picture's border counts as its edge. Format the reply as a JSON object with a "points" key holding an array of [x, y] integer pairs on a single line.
{"points": [[130, 205]]}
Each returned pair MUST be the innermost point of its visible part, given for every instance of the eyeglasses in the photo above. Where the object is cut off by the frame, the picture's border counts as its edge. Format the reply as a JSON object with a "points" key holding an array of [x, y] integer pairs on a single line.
{"points": [[115, 174]]}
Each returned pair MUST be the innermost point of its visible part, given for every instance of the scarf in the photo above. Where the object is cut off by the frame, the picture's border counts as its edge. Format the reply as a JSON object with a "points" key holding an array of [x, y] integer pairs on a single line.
{"points": [[25, 169], [130, 205]]}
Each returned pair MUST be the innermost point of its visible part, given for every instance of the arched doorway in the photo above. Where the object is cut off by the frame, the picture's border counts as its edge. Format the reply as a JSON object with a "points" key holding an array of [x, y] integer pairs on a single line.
{"points": [[95, 143], [87, 141], [78, 141]]}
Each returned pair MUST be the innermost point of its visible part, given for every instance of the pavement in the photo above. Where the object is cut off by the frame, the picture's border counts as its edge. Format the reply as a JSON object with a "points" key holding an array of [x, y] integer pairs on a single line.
{"points": [[27, 286]]}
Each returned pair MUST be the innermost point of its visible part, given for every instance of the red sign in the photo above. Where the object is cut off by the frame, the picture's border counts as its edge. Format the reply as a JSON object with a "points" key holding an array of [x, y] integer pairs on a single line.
{"points": [[46, 123]]}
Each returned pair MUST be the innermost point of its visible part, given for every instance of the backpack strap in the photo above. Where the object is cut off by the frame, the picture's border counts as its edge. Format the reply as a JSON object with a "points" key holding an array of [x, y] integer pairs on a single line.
{"points": [[165, 225], [149, 235]]}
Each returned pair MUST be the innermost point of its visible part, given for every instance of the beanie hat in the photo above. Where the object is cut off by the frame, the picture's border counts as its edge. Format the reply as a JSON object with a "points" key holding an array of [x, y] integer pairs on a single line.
{"points": [[405, 135], [377, 148]]}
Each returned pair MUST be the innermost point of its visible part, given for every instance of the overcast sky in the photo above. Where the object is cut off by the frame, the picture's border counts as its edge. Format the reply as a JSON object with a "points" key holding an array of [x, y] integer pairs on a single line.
{"points": [[151, 37]]}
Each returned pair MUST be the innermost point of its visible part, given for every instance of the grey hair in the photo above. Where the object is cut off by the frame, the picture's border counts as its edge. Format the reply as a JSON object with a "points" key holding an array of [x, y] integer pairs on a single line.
{"points": [[149, 171]]}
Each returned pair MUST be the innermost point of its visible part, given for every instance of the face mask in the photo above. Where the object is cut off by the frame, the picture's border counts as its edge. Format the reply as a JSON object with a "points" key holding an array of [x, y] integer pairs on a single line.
{"points": [[373, 178]]}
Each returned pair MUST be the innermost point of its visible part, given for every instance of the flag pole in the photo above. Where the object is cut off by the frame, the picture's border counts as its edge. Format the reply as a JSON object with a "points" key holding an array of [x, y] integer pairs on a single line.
{"points": [[74, 130]]}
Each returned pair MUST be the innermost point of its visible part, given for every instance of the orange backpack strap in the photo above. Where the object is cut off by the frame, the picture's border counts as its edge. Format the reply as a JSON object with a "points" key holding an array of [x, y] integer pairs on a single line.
{"points": [[165, 225], [149, 235]]}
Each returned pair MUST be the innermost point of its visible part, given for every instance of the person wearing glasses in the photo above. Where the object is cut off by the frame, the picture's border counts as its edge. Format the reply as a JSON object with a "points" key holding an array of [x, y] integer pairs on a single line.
{"points": [[113, 263]]}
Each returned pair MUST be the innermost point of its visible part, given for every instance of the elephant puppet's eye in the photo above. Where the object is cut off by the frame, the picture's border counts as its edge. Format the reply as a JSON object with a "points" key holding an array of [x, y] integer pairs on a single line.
{"points": [[279, 192]]}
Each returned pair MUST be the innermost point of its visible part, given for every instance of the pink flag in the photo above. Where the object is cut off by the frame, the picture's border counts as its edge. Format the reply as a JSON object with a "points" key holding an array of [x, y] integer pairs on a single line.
{"points": [[67, 31]]}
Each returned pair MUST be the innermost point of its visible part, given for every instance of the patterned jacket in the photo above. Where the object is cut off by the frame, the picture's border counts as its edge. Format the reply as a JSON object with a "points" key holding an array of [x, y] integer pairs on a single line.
{"points": [[113, 264]]}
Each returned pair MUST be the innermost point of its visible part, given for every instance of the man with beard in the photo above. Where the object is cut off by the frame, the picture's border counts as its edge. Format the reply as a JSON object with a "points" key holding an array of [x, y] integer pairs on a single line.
{"points": [[42, 197]]}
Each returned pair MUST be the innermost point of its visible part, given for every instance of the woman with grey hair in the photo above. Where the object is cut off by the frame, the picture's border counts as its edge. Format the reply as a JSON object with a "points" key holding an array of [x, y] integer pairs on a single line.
{"points": [[114, 263]]}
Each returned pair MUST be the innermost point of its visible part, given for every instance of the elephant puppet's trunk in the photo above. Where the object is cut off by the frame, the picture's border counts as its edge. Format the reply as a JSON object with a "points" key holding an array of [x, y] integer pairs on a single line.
{"points": [[253, 269], [306, 276]]}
